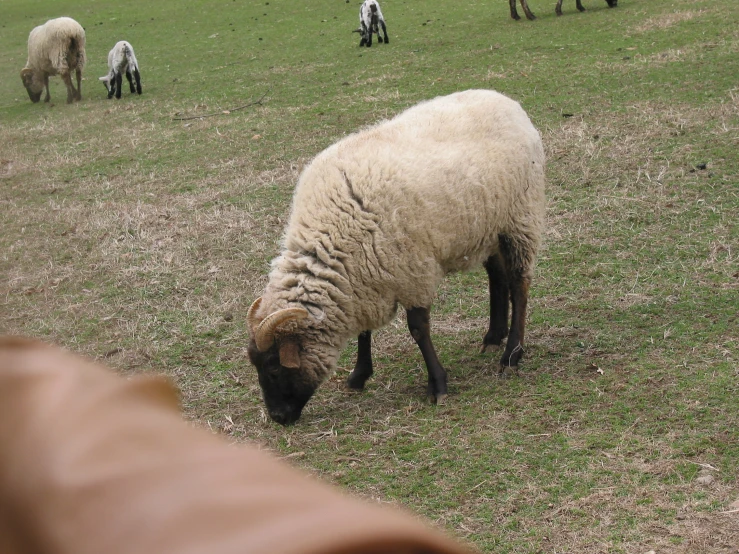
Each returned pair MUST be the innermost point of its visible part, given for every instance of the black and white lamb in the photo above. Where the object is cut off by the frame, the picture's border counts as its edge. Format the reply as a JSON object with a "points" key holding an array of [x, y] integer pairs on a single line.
{"points": [[121, 59], [55, 48], [370, 16], [378, 219]]}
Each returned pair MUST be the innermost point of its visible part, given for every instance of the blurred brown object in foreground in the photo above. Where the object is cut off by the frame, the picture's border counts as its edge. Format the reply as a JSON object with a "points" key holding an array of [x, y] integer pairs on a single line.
{"points": [[91, 462]]}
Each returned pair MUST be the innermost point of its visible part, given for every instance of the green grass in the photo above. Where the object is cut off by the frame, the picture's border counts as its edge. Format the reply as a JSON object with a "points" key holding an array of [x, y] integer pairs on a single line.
{"points": [[140, 239]]}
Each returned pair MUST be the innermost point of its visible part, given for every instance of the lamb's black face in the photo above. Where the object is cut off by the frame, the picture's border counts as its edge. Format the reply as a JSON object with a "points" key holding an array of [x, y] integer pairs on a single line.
{"points": [[285, 390]]}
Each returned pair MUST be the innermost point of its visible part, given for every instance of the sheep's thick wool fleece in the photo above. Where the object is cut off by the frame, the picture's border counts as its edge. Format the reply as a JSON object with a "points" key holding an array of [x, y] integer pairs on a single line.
{"points": [[48, 45], [381, 216]]}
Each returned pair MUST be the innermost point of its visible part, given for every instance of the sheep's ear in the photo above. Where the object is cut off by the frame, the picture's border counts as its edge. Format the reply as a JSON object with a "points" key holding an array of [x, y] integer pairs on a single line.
{"points": [[289, 356]]}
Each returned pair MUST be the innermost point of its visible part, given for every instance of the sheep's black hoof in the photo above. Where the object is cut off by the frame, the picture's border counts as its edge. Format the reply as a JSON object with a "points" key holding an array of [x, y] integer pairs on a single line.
{"points": [[355, 384], [438, 399], [581, 9], [379, 39], [387, 40]]}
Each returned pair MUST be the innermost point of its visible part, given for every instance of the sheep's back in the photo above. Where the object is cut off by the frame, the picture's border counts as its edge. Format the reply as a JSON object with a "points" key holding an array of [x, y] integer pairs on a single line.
{"points": [[426, 193], [48, 45]]}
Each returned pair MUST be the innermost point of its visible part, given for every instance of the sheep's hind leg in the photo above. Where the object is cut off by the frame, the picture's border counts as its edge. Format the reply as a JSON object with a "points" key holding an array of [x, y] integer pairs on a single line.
{"points": [[514, 12], [384, 31], [363, 369], [418, 325], [137, 76], [129, 78], [376, 30], [518, 266], [78, 74], [558, 7], [118, 85], [71, 93], [580, 7], [499, 298]]}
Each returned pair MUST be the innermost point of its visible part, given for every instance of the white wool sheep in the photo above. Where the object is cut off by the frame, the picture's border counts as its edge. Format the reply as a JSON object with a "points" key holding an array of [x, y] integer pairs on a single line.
{"points": [[55, 48], [370, 16], [121, 59], [378, 219]]}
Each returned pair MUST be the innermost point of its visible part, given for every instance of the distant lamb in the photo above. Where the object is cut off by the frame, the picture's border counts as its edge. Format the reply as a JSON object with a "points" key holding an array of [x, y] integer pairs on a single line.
{"points": [[121, 59], [55, 48], [378, 219], [370, 16], [557, 9]]}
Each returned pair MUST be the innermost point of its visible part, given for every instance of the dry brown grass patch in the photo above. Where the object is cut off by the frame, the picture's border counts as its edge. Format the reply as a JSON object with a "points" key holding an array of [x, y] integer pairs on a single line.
{"points": [[664, 21]]}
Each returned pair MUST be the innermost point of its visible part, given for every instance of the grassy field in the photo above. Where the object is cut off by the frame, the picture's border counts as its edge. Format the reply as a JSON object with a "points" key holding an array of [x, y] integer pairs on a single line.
{"points": [[135, 234]]}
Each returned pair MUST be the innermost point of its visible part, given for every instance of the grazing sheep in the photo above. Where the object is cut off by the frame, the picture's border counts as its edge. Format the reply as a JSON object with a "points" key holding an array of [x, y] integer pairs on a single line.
{"points": [[378, 219], [370, 16], [121, 59], [557, 9], [55, 48], [580, 7]]}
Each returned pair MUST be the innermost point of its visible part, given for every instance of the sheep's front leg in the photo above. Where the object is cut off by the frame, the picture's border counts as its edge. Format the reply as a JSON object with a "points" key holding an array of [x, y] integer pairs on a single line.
{"points": [[420, 328], [363, 369], [363, 32], [527, 11], [558, 7], [46, 84], [499, 297]]}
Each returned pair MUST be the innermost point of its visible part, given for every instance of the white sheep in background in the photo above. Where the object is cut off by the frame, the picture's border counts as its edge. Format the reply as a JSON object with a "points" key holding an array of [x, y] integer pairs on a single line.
{"points": [[55, 48], [370, 16], [121, 59], [378, 219]]}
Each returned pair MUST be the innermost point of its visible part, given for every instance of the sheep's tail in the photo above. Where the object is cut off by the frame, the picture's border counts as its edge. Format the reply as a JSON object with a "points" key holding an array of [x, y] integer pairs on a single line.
{"points": [[75, 53], [130, 56]]}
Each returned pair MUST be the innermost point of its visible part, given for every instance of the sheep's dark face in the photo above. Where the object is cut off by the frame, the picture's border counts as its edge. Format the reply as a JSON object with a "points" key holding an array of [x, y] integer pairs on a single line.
{"points": [[33, 86], [286, 390]]}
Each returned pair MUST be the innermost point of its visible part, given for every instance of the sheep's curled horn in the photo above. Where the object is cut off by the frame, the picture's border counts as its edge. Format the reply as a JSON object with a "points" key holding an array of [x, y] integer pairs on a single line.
{"points": [[264, 331]]}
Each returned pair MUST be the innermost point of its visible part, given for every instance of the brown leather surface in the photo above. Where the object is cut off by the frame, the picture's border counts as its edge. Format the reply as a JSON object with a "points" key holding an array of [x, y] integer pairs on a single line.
{"points": [[91, 462]]}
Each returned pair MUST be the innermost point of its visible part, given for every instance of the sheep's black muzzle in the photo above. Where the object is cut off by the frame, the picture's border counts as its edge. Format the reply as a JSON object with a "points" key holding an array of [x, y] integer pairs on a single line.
{"points": [[285, 417], [34, 96]]}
